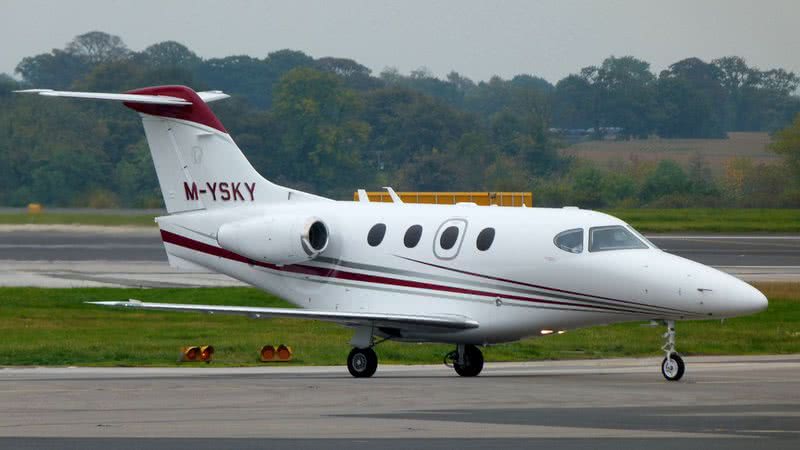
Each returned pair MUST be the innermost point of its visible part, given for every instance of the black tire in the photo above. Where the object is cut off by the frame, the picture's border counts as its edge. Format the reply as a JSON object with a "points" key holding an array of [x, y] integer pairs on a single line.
{"points": [[362, 362], [675, 371], [473, 362]]}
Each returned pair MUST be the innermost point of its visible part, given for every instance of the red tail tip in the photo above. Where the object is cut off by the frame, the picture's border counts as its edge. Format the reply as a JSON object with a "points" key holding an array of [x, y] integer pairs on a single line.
{"points": [[197, 112]]}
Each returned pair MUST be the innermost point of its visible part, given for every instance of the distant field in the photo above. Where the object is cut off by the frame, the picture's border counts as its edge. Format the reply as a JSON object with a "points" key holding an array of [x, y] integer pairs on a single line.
{"points": [[55, 327], [715, 151]]}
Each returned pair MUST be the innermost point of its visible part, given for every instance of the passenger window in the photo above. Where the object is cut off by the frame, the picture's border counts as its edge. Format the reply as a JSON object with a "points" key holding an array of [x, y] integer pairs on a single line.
{"points": [[449, 237], [376, 234], [570, 240], [485, 239], [615, 237], [413, 235]]}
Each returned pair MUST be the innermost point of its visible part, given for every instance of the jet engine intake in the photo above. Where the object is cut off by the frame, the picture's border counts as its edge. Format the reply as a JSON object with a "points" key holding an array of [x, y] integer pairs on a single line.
{"points": [[280, 239]]}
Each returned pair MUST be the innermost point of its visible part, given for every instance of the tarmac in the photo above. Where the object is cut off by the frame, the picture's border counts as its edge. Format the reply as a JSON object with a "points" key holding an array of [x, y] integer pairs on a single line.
{"points": [[93, 256], [722, 402]]}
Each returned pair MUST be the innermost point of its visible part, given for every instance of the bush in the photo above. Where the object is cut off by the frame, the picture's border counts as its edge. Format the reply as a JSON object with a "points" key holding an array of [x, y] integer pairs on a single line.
{"points": [[102, 199]]}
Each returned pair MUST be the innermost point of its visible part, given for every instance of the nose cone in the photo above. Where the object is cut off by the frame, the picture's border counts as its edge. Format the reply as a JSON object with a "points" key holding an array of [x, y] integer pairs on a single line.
{"points": [[746, 300], [709, 291], [731, 297]]}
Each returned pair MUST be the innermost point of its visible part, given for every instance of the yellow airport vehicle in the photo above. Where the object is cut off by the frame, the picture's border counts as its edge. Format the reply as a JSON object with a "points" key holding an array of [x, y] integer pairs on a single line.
{"points": [[451, 198]]}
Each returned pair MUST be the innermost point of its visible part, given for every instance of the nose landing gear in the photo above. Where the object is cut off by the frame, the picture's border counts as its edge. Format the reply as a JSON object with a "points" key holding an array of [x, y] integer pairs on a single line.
{"points": [[672, 367], [467, 360]]}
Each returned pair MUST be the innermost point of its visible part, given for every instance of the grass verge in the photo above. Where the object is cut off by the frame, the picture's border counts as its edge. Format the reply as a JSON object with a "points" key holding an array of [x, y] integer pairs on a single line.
{"points": [[711, 220], [55, 327], [76, 218]]}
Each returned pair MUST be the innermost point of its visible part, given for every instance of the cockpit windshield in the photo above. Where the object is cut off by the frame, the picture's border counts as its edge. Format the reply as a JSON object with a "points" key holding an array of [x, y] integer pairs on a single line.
{"points": [[614, 237], [570, 240]]}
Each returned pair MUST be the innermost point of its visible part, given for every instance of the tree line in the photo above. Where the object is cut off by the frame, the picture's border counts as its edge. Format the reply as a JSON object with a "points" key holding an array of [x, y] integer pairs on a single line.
{"points": [[329, 125]]}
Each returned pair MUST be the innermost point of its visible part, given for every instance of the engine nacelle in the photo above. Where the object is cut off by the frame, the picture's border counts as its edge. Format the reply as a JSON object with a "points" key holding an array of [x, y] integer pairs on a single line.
{"points": [[280, 239]]}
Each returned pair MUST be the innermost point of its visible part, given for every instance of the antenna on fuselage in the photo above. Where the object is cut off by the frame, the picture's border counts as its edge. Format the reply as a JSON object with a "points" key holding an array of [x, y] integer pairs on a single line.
{"points": [[362, 196], [395, 198]]}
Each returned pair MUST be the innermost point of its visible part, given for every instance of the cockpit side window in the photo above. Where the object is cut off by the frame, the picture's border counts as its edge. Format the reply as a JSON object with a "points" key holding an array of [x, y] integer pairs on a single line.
{"points": [[644, 239], [570, 240], [614, 237]]}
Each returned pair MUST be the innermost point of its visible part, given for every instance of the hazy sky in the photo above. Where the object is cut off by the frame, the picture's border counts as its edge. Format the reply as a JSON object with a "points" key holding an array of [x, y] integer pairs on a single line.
{"points": [[476, 38]]}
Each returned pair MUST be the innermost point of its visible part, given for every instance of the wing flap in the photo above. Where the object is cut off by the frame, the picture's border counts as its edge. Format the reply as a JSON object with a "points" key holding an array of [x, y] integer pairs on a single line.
{"points": [[440, 323]]}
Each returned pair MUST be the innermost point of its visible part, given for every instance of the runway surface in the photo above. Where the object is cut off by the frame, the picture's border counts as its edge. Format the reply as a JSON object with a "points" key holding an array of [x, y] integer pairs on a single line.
{"points": [[70, 256], [723, 402], [733, 250]]}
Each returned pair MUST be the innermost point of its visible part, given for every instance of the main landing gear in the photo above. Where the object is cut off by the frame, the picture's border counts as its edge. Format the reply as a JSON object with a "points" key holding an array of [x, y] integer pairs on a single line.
{"points": [[362, 362], [466, 359], [672, 367]]}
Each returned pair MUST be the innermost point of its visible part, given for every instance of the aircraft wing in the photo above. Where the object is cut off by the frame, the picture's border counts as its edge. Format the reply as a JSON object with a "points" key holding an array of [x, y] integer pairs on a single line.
{"points": [[431, 323]]}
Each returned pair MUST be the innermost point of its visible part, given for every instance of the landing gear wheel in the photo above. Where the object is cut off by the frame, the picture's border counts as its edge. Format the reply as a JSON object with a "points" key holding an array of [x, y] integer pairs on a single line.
{"points": [[362, 362], [673, 367], [472, 362]]}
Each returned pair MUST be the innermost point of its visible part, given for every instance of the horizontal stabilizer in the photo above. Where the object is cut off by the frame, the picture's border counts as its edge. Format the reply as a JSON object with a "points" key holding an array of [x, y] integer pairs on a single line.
{"points": [[401, 321], [208, 96], [212, 96], [132, 98]]}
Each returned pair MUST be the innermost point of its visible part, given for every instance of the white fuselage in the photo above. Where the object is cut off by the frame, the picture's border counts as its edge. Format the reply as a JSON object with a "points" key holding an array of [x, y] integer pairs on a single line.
{"points": [[523, 285]]}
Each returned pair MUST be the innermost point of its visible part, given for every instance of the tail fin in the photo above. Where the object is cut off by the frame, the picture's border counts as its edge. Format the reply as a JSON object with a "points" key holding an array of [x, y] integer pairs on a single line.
{"points": [[197, 163]]}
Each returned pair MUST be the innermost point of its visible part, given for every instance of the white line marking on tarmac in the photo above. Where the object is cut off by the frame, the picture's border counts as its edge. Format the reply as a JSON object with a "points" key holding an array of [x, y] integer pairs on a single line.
{"points": [[724, 237]]}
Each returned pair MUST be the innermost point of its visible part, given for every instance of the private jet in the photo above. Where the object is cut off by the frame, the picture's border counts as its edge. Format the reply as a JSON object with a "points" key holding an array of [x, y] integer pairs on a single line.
{"points": [[461, 274]]}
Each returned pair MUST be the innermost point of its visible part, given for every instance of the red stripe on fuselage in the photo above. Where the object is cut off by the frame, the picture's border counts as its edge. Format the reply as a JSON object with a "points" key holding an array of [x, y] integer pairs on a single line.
{"points": [[536, 286], [176, 239]]}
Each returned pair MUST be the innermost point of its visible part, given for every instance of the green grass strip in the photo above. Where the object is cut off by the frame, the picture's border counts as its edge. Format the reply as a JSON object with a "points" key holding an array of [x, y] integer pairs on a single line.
{"points": [[55, 327], [711, 220], [78, 218]]}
